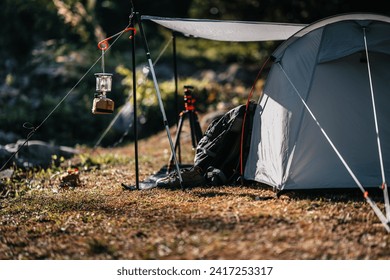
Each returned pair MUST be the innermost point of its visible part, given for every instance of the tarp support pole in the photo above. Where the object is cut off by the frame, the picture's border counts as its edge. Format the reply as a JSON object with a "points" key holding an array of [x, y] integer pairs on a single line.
{"points": [[377, 211], [175, 76], [135, 119], [160, 102], [384, 184]]}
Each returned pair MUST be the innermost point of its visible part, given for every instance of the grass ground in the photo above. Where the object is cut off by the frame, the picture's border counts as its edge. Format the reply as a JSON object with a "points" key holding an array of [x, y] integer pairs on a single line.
{"points": [[99, 220]]}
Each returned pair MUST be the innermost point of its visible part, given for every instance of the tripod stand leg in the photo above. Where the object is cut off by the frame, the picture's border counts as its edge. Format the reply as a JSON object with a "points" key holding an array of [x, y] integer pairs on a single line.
{"points": [[177, 141], [196, 131], [192, 127]]}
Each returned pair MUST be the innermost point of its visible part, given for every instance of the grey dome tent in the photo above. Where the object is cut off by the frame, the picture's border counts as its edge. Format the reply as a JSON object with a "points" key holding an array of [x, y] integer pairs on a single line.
{"points": [[323, 120]]}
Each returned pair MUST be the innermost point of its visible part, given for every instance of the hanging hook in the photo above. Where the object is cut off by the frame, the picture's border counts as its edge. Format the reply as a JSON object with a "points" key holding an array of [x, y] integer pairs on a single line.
{"points": [[104, 45]]}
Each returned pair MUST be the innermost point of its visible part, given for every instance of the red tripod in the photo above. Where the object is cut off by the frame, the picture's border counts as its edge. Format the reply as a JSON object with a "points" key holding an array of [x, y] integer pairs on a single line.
{"points": [[190, 112]]}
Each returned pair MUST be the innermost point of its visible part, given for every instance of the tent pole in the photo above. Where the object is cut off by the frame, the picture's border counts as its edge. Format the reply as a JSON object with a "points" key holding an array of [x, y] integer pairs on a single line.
{"points": [[176, 89], [384, 184], [135, 120], [148, 57]]}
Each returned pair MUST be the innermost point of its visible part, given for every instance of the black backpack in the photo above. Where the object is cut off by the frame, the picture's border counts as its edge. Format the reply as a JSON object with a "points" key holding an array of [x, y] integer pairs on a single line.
{"points": [[218, 151]]}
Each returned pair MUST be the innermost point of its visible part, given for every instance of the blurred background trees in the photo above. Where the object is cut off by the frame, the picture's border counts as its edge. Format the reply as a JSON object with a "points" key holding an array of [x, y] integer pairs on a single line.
{"points": [[47, 45]]}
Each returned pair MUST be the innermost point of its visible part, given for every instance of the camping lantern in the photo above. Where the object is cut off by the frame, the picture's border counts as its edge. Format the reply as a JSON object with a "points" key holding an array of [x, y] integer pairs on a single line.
{"points": [[103, 82], [102, 104]]}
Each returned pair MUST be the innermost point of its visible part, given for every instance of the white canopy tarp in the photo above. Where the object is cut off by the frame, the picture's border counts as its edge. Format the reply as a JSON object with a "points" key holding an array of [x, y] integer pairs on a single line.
{"points": [[225, 30]]}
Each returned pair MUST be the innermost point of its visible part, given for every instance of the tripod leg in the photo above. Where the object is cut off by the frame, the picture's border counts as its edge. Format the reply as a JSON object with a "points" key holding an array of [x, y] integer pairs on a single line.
{"points": [[196, 131], [192, 127], [177, 141]]}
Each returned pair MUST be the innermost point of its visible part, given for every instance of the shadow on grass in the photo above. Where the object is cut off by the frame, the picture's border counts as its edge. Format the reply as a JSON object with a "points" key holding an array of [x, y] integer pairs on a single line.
{"points": [[336, 195], [218, 192]]}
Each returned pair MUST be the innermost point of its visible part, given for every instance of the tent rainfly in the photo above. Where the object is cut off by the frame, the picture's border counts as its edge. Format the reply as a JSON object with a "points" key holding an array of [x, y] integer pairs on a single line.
{"points": [[323, 118]]}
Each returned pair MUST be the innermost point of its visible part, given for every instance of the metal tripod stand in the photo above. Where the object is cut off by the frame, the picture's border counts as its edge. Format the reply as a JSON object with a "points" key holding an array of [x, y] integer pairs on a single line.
{"points": [[189, 112]]}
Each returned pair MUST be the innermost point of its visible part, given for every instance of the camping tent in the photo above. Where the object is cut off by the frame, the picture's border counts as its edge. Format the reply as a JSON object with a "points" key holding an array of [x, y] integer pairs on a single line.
{"points": [[320, 86]]}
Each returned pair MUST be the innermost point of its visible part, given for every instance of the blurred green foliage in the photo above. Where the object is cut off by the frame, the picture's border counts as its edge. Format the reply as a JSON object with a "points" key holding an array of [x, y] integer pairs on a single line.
{"points": [[46, 46]]}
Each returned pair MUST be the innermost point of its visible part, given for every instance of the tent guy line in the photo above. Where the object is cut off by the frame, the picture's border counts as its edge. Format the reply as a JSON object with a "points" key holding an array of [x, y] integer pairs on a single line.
{"points": [[376, 209], [34, 129]]}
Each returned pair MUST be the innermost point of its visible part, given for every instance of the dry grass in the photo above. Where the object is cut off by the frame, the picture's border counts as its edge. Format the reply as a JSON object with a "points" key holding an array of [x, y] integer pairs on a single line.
{"points": [[100, 220]]}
